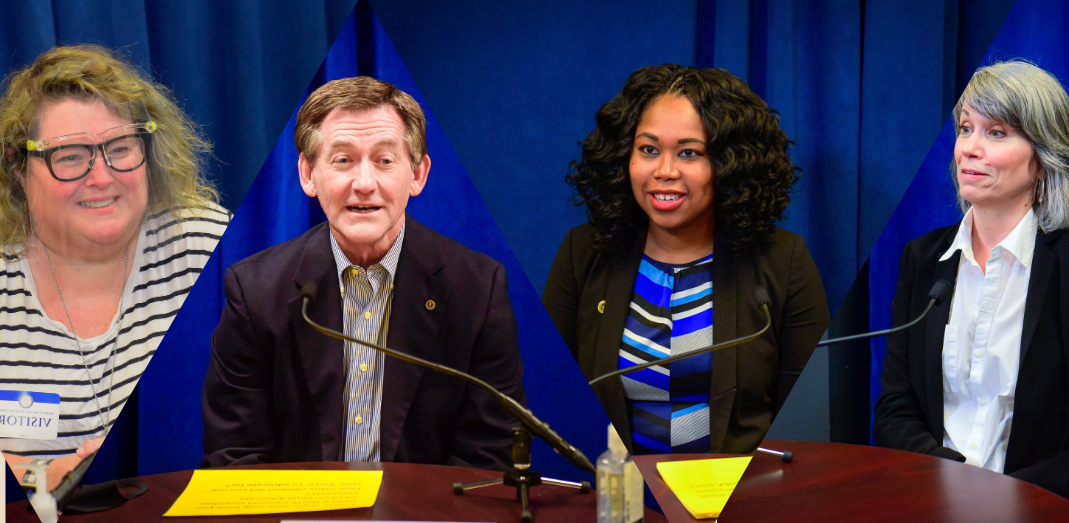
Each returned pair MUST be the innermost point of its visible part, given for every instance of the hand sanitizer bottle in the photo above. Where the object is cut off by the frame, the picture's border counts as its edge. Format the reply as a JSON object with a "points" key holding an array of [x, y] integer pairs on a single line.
{"points": [[41, 499], [620, 494]]}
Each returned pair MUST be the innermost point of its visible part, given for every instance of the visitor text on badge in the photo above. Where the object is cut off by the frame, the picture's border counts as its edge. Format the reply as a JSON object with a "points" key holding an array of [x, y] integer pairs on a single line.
{"points": [[32, 415]]}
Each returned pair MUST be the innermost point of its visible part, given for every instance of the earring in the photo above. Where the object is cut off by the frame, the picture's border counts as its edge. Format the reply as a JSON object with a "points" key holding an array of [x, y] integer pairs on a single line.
{"points": [[1039, 190]]}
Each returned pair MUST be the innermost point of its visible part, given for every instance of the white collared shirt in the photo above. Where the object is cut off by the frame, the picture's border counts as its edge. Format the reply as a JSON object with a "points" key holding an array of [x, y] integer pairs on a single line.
{"points": [[367, 297], [982, 343]]}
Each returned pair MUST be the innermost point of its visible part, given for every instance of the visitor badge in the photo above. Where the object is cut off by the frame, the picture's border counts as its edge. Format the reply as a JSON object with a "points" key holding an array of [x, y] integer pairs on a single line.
{"points": [[29, 414]]}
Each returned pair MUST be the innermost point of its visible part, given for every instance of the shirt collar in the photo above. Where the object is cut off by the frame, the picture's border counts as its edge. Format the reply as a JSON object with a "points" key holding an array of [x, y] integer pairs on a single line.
{"points": [[1021, 241], [388, 262]]}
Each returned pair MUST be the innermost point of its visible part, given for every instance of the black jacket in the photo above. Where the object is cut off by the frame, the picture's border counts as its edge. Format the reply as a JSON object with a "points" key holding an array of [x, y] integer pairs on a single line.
{"points": [[274, 387], [751, 381], [909, 412]]}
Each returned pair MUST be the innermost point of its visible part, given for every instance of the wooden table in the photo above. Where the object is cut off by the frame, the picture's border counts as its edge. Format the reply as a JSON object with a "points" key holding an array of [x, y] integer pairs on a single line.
{"points": [[408, 492], [829, 482]]}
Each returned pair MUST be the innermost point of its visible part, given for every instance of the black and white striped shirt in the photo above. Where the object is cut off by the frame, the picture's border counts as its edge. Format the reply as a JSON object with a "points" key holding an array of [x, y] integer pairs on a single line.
{"points": [[367, 295], [39, 354]]}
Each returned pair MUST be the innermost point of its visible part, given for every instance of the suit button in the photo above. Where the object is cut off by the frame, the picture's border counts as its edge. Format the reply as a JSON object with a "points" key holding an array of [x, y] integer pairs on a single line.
{"points": [[601, 306], [359, 420], [430, 305], [367, 315], [363, 367]]}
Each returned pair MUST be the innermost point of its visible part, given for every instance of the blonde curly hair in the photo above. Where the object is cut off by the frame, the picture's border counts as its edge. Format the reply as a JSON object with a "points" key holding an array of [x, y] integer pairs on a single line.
{"points": [[177, 151]]}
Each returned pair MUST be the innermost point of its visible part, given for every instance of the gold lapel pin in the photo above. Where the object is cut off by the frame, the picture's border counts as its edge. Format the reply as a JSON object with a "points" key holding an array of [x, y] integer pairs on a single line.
{"points": [[430, 305], [601, 306]]}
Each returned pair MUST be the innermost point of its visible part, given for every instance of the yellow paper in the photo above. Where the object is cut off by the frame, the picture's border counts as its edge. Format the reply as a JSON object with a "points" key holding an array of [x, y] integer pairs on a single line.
{"points": [[223, 492], [704, 485]]}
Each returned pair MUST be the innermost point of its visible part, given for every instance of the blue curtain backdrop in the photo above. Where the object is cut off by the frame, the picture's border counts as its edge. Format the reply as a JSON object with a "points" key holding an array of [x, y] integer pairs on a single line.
{"points": [[237, 68], [1030, 31], [861, 89]]}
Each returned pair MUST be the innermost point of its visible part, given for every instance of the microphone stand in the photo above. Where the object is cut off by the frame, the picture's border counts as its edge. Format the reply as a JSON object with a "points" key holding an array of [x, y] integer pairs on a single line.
{"points": [[762, 298], [520, 476], [68, 485], [935, 296]]}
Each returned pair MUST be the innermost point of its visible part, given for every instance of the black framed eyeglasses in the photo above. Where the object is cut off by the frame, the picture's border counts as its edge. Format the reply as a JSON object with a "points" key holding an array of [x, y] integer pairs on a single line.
{"points": [[71, 157]]}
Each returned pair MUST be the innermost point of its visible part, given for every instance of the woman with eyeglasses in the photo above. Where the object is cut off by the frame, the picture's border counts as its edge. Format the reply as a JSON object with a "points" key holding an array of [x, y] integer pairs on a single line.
{"points": [[106, 220]]}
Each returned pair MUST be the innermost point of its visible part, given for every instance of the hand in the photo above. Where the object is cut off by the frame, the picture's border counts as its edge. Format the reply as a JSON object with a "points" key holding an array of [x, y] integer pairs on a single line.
{"points": [[61, 466], [89, 447]]}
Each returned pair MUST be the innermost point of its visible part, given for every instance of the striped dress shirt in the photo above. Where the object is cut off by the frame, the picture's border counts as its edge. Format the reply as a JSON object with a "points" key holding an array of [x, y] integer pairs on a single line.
{"points": [[367, 296]]}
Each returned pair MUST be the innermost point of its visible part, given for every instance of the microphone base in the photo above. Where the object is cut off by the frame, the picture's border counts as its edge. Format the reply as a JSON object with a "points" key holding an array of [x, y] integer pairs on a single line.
{"points": [[521, 476]]}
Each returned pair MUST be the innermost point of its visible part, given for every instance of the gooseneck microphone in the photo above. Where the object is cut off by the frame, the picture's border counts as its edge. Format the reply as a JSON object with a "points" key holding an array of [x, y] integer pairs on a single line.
{"points": [[762, 299], [526, 417], [70, 481], [936, 296]]}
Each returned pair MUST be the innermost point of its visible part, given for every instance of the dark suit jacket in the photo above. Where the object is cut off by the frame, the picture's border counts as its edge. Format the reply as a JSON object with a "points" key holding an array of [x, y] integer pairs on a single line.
{"points": [[909, 412], [750, 381], [274, 387]]}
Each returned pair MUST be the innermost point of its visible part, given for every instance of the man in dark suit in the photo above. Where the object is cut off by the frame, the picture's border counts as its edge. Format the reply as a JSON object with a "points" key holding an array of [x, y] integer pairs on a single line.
{"points": [[277, 391]]}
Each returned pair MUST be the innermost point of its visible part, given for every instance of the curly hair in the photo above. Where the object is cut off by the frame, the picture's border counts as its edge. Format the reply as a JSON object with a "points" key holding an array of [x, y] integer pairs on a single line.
{"points": [[752, 173], [177, 149]]}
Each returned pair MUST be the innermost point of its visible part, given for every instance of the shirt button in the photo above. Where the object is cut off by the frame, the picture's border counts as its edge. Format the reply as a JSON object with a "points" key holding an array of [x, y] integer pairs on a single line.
{"points": [[360, 420], [363, 367], [367, 315], [971, 445], [983, 401], [979, 354]]}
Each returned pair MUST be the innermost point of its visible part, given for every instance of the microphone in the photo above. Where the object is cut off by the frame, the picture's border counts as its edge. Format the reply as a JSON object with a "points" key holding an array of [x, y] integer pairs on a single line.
{"points": [[309, 290], [66, 488], [936, 296], [762, 299], [527, 418]]}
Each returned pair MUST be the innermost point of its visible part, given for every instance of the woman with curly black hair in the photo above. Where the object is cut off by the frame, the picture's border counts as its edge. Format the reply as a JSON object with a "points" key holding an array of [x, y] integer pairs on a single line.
{"points": [[686, 165]]}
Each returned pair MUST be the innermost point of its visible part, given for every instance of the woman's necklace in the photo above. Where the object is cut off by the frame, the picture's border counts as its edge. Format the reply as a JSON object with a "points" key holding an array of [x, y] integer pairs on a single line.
{"points": [[115, 342]]}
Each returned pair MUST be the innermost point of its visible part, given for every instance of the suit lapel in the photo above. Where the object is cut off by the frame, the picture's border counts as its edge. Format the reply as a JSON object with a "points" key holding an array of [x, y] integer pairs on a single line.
{"points": [[1043, 261], [322, 357], [725, 322], [935, 328], [413, 328], [623, 271]]}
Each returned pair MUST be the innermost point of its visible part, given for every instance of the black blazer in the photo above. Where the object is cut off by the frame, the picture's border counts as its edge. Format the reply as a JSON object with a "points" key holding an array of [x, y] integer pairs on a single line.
{"points": [[909, 412], [274, 387], [750, 381]]}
